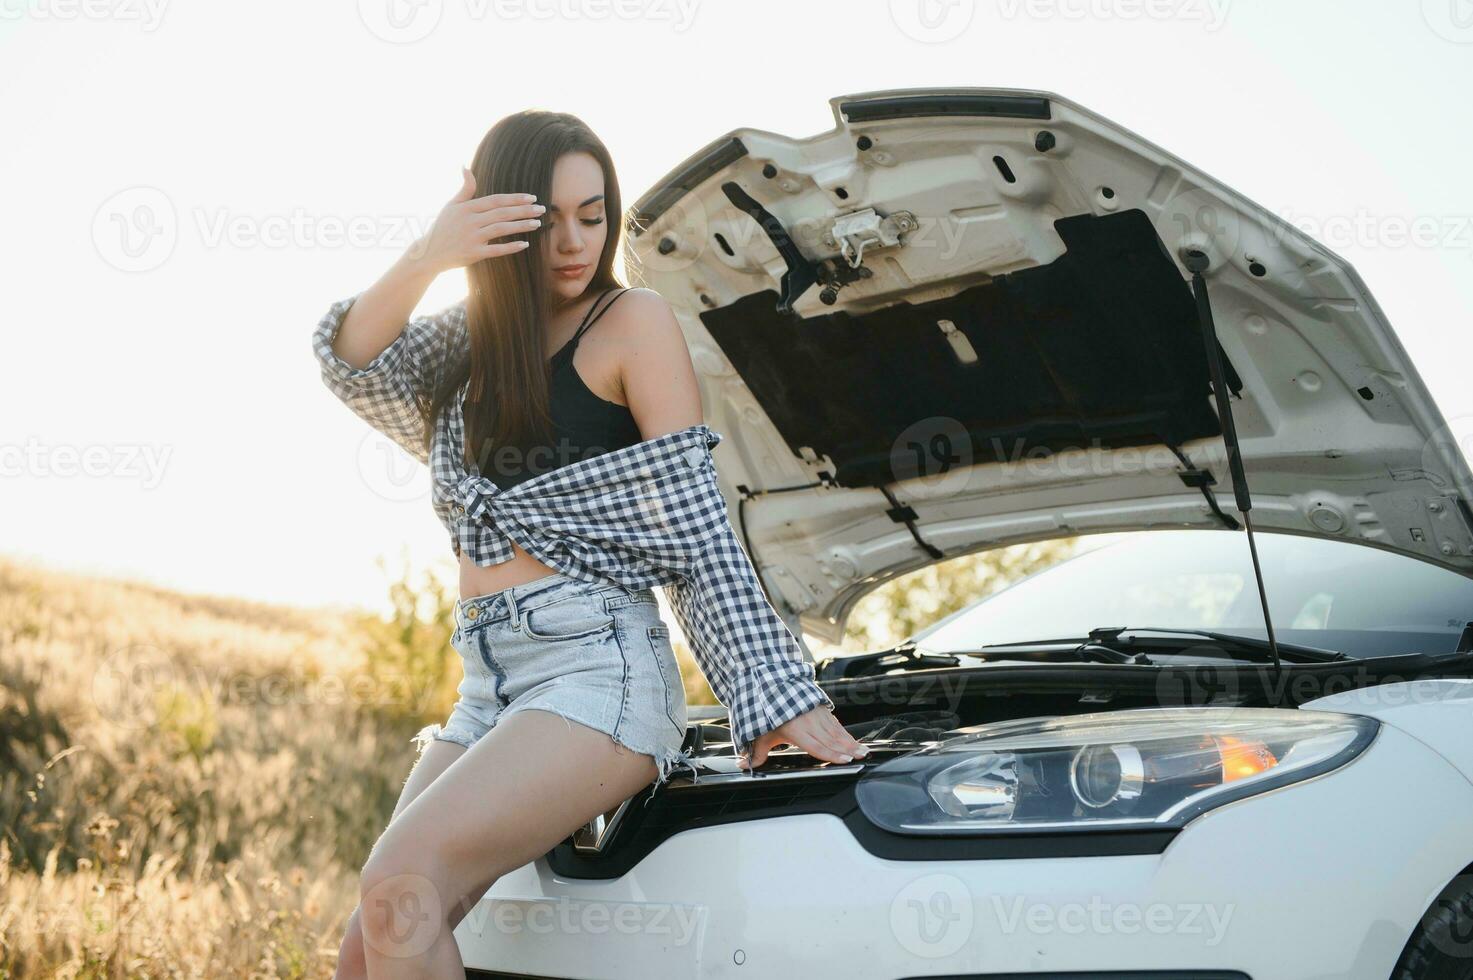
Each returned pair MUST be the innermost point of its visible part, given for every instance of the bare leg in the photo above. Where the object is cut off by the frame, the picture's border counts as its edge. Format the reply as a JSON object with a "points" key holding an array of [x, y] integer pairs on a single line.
{"points": [[520, 790], [434, 760]]}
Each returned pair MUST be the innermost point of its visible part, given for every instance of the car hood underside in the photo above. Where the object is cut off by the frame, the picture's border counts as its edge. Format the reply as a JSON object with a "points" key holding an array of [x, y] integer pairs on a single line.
{"points": [[960, 319]]}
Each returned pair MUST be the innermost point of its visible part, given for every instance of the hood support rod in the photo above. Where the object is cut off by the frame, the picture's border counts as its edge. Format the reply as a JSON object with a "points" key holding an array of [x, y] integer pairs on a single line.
{"points": [[801, 273], [1197, 262]]}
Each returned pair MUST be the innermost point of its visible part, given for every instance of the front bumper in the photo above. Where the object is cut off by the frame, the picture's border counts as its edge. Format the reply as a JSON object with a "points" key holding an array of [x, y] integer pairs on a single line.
{"points": [[1326, 878]]}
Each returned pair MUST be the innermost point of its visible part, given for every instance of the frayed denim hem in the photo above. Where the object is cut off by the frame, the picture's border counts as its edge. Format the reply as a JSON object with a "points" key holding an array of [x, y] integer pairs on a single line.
{"points": [[431, 733], [668, 759]]}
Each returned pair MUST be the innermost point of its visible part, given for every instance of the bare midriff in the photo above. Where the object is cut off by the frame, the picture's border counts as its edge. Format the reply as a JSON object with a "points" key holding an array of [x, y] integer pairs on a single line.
{"points": [[476, 581]]}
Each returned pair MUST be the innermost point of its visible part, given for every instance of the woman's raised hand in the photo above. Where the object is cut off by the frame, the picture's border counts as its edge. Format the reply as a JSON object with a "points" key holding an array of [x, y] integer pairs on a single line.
{"points": [[468, 228]]}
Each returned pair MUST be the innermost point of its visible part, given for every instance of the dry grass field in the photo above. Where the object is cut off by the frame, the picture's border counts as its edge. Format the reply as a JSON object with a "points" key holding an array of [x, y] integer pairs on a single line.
{"points": [[189, 785], [184, 790]]}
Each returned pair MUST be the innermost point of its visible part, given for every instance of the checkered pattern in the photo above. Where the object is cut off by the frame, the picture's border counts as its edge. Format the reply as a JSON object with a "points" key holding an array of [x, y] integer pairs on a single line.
{"points": [[650, 514]]}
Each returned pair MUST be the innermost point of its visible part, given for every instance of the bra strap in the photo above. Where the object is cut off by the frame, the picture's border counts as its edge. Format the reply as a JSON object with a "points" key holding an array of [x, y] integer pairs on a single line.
{"points": [[590, 318]]}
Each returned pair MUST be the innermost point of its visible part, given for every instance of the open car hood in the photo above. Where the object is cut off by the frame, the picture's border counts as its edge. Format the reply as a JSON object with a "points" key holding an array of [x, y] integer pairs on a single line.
{"points": [[961, 319]]}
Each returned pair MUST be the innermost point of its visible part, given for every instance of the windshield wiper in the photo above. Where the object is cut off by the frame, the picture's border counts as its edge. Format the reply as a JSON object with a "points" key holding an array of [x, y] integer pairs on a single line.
{"points": [[1232, 644], [1105, 645]]}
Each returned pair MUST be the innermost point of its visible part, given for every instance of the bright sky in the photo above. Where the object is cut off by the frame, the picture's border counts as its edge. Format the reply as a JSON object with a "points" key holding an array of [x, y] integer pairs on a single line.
{"points": [[187, 185]]}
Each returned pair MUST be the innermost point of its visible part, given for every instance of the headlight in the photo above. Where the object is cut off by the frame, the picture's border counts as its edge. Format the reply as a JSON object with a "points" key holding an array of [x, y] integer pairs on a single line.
{"points": [[1146, 769]]}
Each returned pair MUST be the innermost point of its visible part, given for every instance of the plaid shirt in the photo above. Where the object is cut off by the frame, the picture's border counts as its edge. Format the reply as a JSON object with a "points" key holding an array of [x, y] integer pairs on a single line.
{"points": [[646, 515]]}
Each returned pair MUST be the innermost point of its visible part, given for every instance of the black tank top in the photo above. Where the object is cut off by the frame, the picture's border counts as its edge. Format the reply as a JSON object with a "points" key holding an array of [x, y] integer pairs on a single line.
{"points": [[586, 424]]}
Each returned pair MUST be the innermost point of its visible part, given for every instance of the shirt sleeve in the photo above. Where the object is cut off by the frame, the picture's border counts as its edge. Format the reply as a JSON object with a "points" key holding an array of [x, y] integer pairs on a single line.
{"points": [[751, 659], [392, 393]]}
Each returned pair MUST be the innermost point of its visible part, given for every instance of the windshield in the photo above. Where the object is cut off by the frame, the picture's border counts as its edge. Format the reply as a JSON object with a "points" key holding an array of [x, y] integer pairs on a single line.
{"points": [[1337, 595]]}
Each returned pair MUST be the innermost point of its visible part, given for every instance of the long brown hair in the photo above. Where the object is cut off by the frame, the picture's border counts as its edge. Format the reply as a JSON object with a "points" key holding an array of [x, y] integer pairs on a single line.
{"points": [[506, 403]]}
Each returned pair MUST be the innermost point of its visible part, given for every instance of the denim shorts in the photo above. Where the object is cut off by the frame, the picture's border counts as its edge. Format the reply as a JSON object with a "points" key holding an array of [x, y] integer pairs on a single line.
{"points": [[596, 654]]}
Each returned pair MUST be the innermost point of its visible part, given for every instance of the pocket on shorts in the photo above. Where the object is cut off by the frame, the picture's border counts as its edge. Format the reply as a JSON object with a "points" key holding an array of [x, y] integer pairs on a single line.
{"points": [[578, 615], [675, 710]]}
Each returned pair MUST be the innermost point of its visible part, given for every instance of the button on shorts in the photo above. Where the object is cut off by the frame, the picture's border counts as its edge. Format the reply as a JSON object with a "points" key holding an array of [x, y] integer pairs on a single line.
{"points": [[595, 654]]}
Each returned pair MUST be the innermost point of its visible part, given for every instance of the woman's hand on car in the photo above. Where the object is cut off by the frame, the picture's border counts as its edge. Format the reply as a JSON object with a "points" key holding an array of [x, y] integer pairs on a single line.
{"points": [[816, 732], [469, 228]]}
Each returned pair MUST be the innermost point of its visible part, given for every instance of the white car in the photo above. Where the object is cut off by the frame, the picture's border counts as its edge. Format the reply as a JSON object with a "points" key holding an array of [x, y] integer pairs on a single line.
{"points": [[967, 318]]}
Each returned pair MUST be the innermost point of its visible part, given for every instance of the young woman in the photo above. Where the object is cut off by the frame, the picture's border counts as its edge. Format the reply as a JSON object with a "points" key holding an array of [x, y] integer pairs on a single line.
{"points": [[536, 224]]}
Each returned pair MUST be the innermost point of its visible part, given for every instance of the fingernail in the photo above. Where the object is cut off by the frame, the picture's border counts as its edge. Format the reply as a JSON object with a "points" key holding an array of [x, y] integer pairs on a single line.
{"points": [[847, 758]]}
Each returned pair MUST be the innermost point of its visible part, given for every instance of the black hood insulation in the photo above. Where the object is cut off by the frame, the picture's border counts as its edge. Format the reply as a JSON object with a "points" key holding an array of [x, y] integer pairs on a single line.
{"points": [[1099, 348]]}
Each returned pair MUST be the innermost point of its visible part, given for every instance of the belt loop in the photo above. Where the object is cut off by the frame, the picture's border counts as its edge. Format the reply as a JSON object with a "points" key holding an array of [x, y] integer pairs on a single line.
{"points": [[511, 607]]}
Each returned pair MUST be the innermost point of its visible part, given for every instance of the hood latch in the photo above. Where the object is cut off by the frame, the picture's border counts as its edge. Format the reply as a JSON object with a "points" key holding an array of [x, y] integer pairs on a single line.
{"points": [[852, 233]]}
